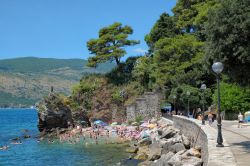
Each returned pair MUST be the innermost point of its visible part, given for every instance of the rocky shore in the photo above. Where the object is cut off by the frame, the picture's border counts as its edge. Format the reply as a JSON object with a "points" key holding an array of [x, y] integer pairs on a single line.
{"points": [[166, 146], [54, 114], [156, 144]]}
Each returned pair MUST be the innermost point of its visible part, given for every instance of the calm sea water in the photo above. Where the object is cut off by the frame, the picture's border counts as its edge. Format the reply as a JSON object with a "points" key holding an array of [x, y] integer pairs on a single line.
{"points": [[33, 153]]}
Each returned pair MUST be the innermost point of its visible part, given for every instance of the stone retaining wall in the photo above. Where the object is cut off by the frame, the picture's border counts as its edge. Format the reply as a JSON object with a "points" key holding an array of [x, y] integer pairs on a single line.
{"points": [[147, 106], [205, 137]]}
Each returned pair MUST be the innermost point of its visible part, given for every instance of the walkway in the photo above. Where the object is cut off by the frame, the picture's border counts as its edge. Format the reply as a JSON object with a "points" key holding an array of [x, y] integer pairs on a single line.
{"points": [[238, 140]]}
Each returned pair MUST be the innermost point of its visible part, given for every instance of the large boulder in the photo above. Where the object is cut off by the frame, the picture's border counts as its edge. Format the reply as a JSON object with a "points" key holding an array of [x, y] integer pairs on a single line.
{"points": [[132, 149], [168, 133], [183, 160], [163, 161], [145, 163], [177, 138], [193, 152], [53, 113], [154, 151], [144, 141], [166, 146], [191, 161], [143, 153], [175, 160], [177, 147], [186, 141]]}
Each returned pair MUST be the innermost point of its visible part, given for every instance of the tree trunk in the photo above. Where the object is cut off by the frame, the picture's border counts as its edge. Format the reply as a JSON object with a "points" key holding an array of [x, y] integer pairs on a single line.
{"points": [[117, 60]]}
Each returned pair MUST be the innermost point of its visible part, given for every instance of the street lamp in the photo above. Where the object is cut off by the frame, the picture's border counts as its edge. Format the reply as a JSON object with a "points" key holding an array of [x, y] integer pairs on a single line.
{"points": [[203, 88], [217, 68], [174, 97], [188, 94]]}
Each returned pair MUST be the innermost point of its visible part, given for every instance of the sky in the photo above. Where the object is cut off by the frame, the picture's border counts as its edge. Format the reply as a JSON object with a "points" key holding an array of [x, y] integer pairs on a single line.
{"points": [[61, 28]]}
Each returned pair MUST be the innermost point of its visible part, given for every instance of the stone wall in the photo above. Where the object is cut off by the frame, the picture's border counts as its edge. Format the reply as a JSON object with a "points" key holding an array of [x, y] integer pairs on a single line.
{"points": [[205, 137], [118, 114], [147, 106], [194, 132], [130, 111]]}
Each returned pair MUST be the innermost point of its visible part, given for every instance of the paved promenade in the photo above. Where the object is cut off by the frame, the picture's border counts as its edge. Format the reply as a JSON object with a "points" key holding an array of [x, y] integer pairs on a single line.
{"points": [[238, 140]]}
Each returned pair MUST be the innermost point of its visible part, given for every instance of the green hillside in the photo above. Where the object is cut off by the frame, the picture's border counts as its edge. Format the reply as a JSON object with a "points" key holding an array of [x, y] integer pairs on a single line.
{"points": [[24, 81], [34, 65]]}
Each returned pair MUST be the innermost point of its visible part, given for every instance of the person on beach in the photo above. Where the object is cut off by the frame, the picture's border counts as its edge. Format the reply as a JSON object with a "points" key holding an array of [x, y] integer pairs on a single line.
{"points": [[199, 117], [96, 140], [16, 143], [107, 133], [5, 147], [240, 120], [210, 118]]}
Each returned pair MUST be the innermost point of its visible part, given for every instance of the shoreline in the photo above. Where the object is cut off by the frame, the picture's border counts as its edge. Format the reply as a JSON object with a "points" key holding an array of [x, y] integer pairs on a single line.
{"points": [[15, 108]]}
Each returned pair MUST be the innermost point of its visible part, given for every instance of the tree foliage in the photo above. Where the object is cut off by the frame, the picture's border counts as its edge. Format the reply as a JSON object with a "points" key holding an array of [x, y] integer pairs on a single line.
{"points": [[190, 15], [164, 27], [110, 46], [143, 72], [233, 97], [83, 92], [178, 60], [195, 99], [228, 35], [122, 74]]}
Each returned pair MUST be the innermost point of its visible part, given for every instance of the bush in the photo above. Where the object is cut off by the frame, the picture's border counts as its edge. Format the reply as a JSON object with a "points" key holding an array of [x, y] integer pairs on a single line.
{"points": [[138, 119], [117, 97], [233, 98]]}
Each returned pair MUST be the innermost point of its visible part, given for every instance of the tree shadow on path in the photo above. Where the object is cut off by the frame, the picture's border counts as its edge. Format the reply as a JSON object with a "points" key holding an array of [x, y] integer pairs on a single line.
{"points": [[244, 144]]}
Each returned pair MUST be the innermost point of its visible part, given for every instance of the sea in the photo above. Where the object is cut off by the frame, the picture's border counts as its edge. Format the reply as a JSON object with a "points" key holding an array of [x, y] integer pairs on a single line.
{"points": [[19, 122]]}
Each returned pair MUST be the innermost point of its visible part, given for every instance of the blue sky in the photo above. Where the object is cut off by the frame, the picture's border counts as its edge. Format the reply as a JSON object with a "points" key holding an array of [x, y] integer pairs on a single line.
{"points": [[61, 28]]}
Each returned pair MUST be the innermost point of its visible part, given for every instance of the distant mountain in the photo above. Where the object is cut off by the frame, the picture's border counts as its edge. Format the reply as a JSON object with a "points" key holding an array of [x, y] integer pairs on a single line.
{"points": [[24, 81]]}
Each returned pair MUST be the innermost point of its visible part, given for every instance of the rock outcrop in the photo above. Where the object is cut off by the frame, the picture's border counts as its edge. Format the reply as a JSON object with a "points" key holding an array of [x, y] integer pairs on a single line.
{"points": [[80, 118], [53, 113]]}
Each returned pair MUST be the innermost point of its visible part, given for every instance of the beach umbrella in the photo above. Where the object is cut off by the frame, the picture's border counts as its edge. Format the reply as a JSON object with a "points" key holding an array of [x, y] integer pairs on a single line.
{"points": [[114, 124], [108, 127], [131, 127], [247, 116], [102, 124], [83, 122], [141, 122], [124, 124], [145, 124], [151, 126], [134, 123], [98, 122]]}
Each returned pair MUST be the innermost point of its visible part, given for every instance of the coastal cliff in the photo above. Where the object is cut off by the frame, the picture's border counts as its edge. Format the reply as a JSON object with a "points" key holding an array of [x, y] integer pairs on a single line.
{"points": [[53, 113]]}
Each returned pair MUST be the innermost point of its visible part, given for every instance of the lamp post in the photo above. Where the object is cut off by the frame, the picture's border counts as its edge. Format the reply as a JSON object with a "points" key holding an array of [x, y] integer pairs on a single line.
{"points": [[174, 97], [217, 68], [203, 88], [188, 94]]}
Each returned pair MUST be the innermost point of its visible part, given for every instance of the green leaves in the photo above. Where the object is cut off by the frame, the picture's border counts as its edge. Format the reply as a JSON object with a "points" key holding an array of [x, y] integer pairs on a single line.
{"points": [[84, 91], [178, 60], [196, 98], [228, 34], [117, 97], [143, 72], [110, 44], [190, 15], [233, 97], [163, 28]]}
